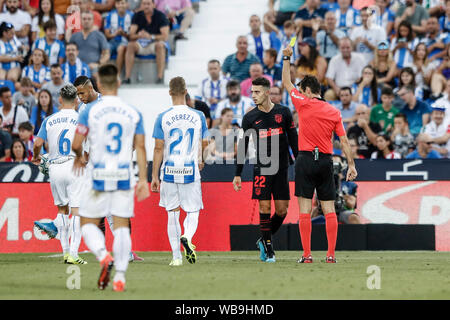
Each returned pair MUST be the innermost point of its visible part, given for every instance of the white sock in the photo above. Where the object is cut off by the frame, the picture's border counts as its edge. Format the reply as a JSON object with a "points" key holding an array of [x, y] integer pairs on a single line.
{"points": [[174, 232], [75, 236], [62, 223], [110, 223], [121, 249], [95, 240], [190, 224]]}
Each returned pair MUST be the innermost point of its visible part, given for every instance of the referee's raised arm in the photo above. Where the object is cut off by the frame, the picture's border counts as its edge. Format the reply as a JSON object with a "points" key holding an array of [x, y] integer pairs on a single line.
{"points": [[286, 73]]}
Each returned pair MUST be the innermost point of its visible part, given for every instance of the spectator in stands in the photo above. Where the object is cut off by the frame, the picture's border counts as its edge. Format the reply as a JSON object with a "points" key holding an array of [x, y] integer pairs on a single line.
{"points": [[25, 96], [223, 145], [440, 76], [367, 36], [27, 137], [328, 38], [384, 113], [21, 20], [444, 20], [94, 48], [423, 68], [403, 44], [346, 106], [74, 21], [414, 14], [276, 95], [444, 102], [366, 90], [308, 17], [213, 89], [10, 53], [406, 77], [256, 71], [55, 84], [200, 106], [383, 16], [42, 110], [5, 143], [259, 41], [417, 111], [18, 152], [74, 67], [53, 47], [117, 28], [47, 13], [424, 148], [271, 68], [310, 62], [12, 115], [179, 10], [439, 131], [148, 33], [364, 131], [353, 143], [385, 148], [285, 36], [344, 69], [37, 70], [286, 11], [103, 6], [236, 102], [401, 138], [435, 40], [384, 65], [237, 65], [347, 17]]}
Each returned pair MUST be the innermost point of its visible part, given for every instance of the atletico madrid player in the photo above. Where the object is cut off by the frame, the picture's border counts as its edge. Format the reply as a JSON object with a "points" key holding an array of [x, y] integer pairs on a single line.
{"points": [[273, 131]]}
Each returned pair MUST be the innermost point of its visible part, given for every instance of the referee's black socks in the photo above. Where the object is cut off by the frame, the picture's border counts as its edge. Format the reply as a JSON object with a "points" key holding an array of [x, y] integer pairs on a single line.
{"points": [[276, 221]]}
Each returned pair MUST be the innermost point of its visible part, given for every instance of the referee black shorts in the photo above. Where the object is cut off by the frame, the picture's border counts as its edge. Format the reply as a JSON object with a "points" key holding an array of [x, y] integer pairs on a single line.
{"points": [[266, 186], [313, 175]]}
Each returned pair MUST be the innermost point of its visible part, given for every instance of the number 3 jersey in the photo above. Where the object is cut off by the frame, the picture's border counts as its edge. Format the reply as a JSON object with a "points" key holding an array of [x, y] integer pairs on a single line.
{"points": [[58, 130], [110, 126], [182, 128]]}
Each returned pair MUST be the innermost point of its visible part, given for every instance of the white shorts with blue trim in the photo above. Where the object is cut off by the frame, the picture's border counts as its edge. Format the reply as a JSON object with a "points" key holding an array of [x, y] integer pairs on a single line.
{"points": [[188, 196], [66, 187]]}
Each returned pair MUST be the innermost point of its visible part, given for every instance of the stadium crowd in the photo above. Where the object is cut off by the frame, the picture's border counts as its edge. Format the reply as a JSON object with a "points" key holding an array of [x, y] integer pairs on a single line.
{"points": [[385, 64]]}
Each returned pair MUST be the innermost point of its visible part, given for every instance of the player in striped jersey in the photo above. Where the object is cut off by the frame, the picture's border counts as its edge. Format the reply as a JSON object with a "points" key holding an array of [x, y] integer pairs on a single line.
{"points": [[58, 130], [112, 128], [53, 47], [117, 26], [180, 136], [37, 71]]}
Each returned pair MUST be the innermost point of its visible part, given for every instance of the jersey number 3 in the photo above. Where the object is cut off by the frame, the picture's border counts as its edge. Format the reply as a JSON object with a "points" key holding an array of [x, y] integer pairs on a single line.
{"points": [[117, 131]]}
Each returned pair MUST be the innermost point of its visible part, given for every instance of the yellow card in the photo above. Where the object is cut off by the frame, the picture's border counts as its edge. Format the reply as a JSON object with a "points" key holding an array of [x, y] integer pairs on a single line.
{"points": [[293, 40]]}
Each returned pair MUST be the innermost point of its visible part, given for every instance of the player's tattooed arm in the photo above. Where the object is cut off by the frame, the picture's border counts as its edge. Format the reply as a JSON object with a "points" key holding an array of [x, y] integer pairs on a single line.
{"points": [[158, 153]]}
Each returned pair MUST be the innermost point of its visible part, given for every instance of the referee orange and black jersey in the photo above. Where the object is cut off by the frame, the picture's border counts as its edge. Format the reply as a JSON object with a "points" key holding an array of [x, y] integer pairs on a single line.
{"points": [[318, 120]]}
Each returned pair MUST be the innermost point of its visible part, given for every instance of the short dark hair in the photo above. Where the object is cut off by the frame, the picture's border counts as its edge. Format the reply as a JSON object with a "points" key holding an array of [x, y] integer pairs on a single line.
{"points": [[177, 86], [408, 87], [72, 44], [26, 126], [346, 89], [401, 115], [108, 75], [272, 52], [225, 110], [54, 66], [81, 81], [214, 61], [50, 24], [68, 92], [26, 82], [232, 84], [3, 90], [387, 91], [261, 81], [310, 82]]}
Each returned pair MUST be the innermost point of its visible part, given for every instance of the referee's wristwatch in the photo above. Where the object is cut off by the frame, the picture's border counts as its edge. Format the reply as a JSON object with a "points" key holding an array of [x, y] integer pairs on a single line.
{"points": [[286, 58]]}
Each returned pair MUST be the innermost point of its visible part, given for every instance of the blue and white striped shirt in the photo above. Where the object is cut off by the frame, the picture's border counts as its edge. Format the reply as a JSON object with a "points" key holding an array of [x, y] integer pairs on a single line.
{"points": [[54, 51], [114, 21], [40, 76], [11, 49], [346, 21], [212, 89]]}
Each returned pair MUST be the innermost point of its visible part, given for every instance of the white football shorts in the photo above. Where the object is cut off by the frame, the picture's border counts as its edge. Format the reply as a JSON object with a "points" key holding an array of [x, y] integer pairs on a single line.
{"points": [[188, 196], [66, 187]]}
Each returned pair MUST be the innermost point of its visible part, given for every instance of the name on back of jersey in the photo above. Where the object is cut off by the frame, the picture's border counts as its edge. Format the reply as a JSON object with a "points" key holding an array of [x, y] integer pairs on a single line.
{"points": [[181, 116], [59, 120]]}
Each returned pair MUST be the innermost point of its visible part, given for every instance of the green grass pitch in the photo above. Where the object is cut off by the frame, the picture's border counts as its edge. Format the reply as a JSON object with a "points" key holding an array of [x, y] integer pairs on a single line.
{"points": [[236, 275]]}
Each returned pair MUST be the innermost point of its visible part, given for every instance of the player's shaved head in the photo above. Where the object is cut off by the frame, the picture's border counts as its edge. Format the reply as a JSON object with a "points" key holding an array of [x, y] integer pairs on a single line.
{"points": [[108, 76], [177, 87]]}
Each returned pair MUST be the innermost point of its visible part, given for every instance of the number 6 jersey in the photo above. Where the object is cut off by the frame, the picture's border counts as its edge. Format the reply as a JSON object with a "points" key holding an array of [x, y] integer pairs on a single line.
{"points": [[110, 125], [181, 128]]}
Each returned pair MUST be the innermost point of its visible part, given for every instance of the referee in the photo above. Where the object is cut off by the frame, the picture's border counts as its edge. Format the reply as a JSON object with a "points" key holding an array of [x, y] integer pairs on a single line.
{"points": [[314, 165]]}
